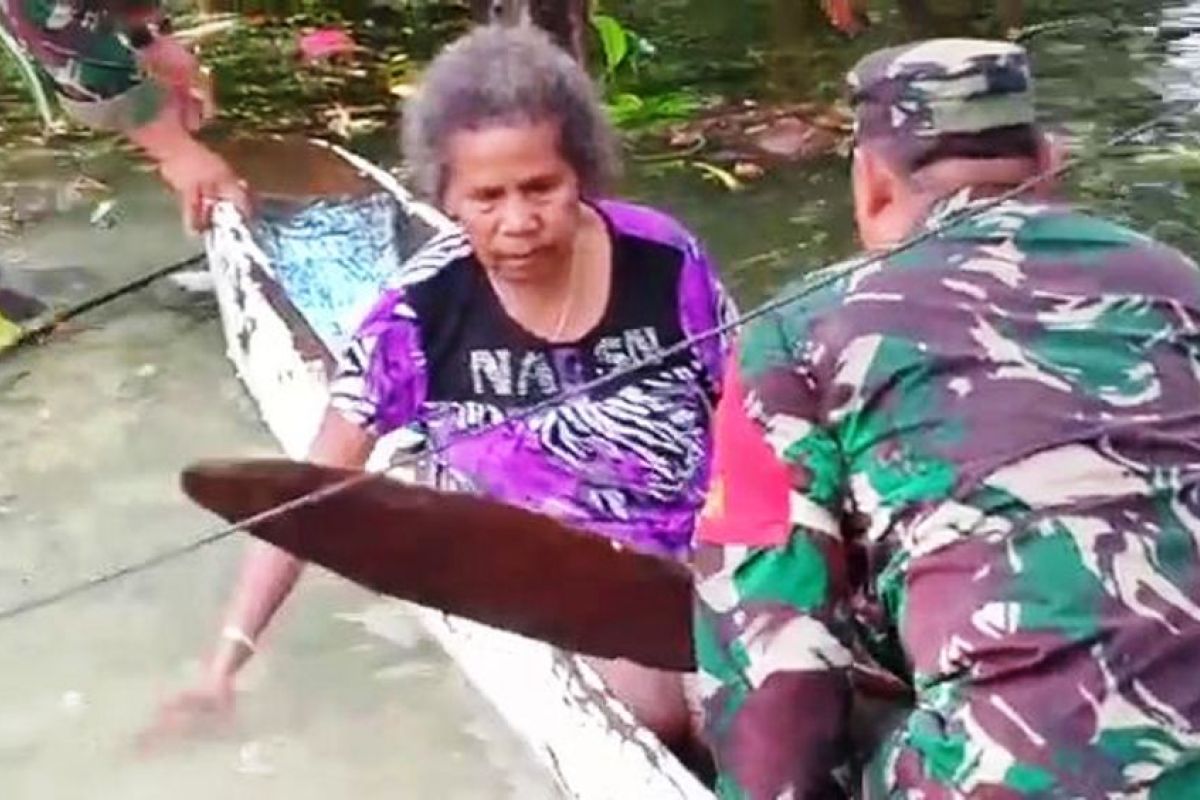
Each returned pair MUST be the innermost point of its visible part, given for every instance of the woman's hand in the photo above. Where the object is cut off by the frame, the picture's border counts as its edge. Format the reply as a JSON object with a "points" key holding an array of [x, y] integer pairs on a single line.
{"points": [[208, 707]]}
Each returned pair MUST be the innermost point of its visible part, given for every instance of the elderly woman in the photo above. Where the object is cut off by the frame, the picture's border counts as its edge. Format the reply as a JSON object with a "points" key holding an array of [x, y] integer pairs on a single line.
{"points": [[544, 288]]}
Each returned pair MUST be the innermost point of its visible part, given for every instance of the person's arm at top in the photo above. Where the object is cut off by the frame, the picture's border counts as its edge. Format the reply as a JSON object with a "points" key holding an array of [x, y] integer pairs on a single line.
{"points": [[117, 69]]}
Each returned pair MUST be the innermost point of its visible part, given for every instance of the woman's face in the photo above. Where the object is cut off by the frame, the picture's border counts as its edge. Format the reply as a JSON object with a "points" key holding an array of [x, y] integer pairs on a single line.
{"points": [[516, 197]]}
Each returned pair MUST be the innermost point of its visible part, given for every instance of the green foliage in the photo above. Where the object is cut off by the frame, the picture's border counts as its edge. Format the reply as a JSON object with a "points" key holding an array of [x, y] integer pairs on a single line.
{"points": [[263, 85], [614, 41], [629, 110], [32, 79], [621, 52]]}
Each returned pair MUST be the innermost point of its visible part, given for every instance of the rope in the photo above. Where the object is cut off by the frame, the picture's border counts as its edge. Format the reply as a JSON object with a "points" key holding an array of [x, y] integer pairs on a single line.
{"points": [[39, 331], [818, 281]]}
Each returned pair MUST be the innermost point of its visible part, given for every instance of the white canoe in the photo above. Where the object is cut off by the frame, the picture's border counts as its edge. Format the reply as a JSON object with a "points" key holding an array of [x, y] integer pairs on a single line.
{"points": [[552, 701]]}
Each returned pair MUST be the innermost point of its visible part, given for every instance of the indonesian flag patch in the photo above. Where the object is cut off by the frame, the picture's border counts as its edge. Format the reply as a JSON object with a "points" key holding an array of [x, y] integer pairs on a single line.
{"points": [[747, 501]]}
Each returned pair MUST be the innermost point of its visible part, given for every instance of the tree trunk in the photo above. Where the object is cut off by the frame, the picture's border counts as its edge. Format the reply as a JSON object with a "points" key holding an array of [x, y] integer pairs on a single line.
{"points": [[482, 11], [565, 20]]}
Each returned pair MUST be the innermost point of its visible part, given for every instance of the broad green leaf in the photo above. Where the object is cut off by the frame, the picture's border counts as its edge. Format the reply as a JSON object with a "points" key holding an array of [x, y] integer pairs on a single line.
{"points": [[613, 39]]}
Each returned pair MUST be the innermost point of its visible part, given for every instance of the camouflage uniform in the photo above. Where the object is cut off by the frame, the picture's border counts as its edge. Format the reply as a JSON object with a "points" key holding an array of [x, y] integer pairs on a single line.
{"points": [[978, 463], [87, 56]]}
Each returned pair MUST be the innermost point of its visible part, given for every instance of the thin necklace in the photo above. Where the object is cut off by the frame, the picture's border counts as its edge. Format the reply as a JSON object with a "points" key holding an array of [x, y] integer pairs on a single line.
{"points": [[564, 315], [568, 305]]}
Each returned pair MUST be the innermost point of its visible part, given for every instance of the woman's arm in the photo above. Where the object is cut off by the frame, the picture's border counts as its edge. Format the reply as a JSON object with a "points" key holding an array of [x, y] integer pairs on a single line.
{"points": [[267, 577], [378, 386], [269, 573]]}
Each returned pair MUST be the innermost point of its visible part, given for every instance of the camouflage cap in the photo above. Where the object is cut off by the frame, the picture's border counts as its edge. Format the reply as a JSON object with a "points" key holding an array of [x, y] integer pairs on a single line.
{"points": [[914, 94]]}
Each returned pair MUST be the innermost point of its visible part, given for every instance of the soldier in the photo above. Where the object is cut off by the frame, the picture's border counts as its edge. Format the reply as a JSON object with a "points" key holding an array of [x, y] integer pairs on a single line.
{"points": [[976, 462], [114, 66]]}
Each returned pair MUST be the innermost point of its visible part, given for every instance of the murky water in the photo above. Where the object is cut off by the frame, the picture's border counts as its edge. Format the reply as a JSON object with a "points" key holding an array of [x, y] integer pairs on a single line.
{"points": [[350, 699]]}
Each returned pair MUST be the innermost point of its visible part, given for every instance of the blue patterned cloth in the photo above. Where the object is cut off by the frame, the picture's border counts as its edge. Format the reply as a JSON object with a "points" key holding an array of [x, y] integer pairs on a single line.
{"points": [[332, 258]]}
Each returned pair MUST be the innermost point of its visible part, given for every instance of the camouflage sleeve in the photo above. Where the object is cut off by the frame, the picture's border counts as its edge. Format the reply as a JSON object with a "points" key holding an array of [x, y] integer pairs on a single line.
{"points": [[771, 587], [86, 56]]}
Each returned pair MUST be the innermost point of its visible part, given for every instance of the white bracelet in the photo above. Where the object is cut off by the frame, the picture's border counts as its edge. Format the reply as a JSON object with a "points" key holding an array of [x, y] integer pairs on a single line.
{"points": [[235, 634]]}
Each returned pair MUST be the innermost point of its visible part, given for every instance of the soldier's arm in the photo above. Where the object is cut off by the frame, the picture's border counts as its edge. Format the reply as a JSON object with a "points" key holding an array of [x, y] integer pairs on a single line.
{"points": [[90, 59], [771, 587], [113, 68]]}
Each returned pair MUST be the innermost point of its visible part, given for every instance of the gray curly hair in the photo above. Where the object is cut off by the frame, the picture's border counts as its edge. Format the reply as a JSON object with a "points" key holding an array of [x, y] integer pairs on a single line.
{"points": [[497, 75]]}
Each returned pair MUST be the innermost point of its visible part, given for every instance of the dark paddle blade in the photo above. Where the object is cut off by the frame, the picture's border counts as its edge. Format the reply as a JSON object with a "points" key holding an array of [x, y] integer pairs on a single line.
{"points": [[479, 559], [466, 555]]}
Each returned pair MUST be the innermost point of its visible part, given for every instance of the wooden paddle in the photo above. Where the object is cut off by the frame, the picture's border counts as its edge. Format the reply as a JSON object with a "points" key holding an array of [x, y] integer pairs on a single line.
{"points": [[463, 554], [477, 558]]}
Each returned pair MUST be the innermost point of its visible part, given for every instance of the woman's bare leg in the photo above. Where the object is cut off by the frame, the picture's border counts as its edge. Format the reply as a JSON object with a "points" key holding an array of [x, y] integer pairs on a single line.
{"points": [[665, 702]]}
